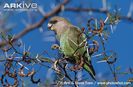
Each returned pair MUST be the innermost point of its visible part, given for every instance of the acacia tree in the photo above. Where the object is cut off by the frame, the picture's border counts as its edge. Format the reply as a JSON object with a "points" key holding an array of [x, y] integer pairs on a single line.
{"points": [[18, 63]]}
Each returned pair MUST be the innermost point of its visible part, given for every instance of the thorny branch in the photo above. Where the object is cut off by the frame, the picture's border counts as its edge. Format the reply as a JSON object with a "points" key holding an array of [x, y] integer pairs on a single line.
{"points": [[58, 65]]}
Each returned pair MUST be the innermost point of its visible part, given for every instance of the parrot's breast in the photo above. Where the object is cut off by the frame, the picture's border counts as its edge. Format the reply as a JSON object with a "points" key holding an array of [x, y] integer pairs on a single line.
{"points": [[65, 45], [70, 43]]}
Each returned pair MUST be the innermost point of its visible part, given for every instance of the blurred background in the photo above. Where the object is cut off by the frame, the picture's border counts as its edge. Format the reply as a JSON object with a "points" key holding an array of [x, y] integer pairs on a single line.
{"points": [[78, 12]]}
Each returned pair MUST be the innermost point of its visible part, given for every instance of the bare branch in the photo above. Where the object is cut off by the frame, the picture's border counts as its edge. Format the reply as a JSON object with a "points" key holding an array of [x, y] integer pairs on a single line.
{"points": [[30, 28], [104, 11]]}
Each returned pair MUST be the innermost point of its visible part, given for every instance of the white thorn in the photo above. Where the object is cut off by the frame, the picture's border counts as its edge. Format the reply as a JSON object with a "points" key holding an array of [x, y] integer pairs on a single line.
{"points": [[37, 58], [106, 19], [97, 55], [102, 61], [22, 65], [13, 53]]}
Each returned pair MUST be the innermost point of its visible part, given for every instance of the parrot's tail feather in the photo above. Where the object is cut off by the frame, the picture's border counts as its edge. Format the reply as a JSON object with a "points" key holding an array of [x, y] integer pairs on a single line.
{"points": [[89, 68]]}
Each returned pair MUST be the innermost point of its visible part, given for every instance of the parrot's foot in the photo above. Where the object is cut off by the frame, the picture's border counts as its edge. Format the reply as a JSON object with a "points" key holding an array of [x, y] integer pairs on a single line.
{"points": [[78, 66], [55, 46]]}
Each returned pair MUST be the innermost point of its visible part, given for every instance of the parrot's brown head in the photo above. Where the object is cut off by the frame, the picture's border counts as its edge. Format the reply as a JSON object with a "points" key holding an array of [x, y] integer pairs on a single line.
{"points": [[57, 23]]}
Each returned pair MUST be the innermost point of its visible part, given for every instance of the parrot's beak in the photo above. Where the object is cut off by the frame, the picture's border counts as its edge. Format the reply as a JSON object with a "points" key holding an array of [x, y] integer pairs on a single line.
{"points": [[50, 26]]}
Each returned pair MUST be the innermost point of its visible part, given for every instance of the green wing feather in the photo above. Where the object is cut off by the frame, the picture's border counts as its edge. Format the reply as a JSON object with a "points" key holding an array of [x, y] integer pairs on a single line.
{"points": [[69, 43]]}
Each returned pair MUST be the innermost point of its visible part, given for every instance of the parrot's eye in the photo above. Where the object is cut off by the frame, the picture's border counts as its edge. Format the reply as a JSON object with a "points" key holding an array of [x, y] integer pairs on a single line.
{"points": [[53, 22]]}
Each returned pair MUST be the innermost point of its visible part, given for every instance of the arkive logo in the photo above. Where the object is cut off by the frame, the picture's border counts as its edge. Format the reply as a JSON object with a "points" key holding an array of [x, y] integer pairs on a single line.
{"points": [[20, 5]]}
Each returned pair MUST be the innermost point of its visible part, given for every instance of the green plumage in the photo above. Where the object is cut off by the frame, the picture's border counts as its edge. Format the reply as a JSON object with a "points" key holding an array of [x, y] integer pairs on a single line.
{"points": [[69, 43], [73, 43]]}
